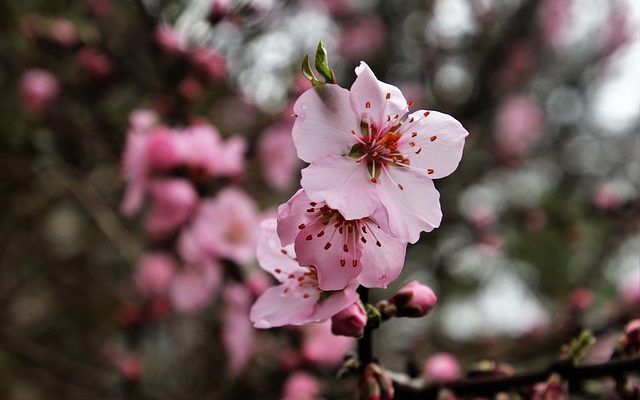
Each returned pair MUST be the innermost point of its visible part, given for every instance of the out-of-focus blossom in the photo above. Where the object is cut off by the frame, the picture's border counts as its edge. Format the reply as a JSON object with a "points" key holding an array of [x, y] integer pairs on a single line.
{"points": [[128, 366], [518, 126], [218, 10], [278, 158], [95, 62], [169, 39], [581, 299], [190, 88], [362, 37], [389, 162], [350, 321], [209, 63], [630, 293], [554, 18], [414, 300], [518, 66], [142, 120], [38, 88], [298, 299], [257, 282], [619, 29], [442, 367], [629, 344], [606, 197], [154, 273], [323, 348], [203, 149], [63, 32], [101, 8], [226, 226], [482, 218], [301, 386], [554, 389], [340, 250], [172, 203], [491, 244], [192, 289], [237, 332]]}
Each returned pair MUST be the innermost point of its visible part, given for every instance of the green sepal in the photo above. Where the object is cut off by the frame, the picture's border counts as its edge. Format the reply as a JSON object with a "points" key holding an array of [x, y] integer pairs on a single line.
{"points": [[322, 64], [373, 316], [578, 347], [308, 72]]}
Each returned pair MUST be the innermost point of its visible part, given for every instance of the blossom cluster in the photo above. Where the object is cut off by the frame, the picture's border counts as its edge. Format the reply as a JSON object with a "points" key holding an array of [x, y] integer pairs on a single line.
{"points": [[367, 192]]}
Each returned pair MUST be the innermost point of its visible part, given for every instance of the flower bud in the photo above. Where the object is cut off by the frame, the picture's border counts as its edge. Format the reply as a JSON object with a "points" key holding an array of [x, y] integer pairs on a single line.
{"points": [[154, 272], [350, 321], [300, 386], [414, 300], [581, 299], [442, 367], [375, 384], [38, 88]]}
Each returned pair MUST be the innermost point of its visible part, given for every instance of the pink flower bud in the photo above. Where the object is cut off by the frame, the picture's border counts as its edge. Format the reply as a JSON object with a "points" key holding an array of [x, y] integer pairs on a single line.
{"points": [[301, 386], [63, 32], [442, 367], [38, 88], [129, 367], [350, 321], [173, 201], [169, 40], [162, 150], [581, 299], [154, 273], [414, 300], [96, 63], [211, 64]]}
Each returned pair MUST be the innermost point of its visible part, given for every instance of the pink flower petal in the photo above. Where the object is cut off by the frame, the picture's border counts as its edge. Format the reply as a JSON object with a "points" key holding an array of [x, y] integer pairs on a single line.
{"points": [[414, 208], [324, 123], [237, 333], [336, 261], [376, 100], [334, 303], [343, 184], [279, 307], [433, 143], [291, 214], [270, 253], [381, 264]]}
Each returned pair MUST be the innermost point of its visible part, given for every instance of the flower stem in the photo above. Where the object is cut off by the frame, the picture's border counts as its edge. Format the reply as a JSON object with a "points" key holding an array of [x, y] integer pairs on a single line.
{"points": [[365, 344]]}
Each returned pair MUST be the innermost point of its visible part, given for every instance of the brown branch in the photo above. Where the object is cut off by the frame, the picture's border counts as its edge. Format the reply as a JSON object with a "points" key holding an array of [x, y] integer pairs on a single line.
{"points": [[408, 389]]}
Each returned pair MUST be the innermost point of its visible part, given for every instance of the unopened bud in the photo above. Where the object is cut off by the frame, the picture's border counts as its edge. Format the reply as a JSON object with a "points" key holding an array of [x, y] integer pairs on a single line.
{"points": [[414, 300], [375, 384], [442, 367], [350, 321]]}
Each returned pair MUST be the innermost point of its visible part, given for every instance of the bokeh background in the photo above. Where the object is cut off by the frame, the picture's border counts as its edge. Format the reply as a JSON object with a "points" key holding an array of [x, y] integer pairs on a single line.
{"points": [[540, 235]]}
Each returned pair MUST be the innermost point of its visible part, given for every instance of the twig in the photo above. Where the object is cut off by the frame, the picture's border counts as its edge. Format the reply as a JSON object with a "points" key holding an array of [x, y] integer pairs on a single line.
{"points": [[365, 344], [408, 389]]}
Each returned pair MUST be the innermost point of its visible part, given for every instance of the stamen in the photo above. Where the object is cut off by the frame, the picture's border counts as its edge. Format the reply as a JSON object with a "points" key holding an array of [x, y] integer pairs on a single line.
{"points": [[388, 96], [430, 171], [354, 263], [343, 262], [320, 234], [367, 104], [301, 226], [433, 138], [309, 237], [414, 134], [345, 248], [326, 246]]}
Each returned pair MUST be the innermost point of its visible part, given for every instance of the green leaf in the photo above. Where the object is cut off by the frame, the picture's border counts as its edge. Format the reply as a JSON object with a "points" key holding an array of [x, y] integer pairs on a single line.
{"points": [[308, 72], [577, 348], [322, 64]]}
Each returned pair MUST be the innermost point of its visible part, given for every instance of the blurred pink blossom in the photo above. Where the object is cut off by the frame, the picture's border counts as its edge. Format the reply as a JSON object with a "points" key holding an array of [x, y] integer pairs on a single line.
{"points": [[128, 366], [95, 62], [606, 197], [154, 272], [619, 30], [554, 18], [172, 203], [301, 386], [280, 164], [362, 37], [298, 299], [203, 149], [63, 31], [581, 299], [350, 321], [322, 347], [442, 367], [192, 289], [630, 293], [142, 119], [218, 10], [38, 88], [210, 63], [257, 282], [101, 8], [226, 226], [169, 39], [237, 332], [190, 88], [519, 124]]}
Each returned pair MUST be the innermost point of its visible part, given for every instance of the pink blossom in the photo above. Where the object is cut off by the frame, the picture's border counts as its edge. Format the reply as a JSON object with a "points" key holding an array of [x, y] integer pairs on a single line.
{"points": [[366, 149], [278, 158], [95, 62], [442, 367], [169, 39], [362, 37], [142, 120], [193, 289], [518, 126], [210, 63], [631, 293], [203, 149], [218, 10], [154, 273], [38, 88], [301, 386], [298, 299], [340, 250], [63, 32], [237, 332], [554, 18], [350, 322], [190, 88], [128, 366], [226, 226], [257, 282], [101, 8], [554, 389], [414, 300], [323, 348], [581, 299], [606, 197], [172, 202]]}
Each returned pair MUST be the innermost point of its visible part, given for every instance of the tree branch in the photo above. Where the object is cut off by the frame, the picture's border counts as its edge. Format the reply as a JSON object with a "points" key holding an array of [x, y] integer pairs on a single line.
{"points": [[408, 389]]}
